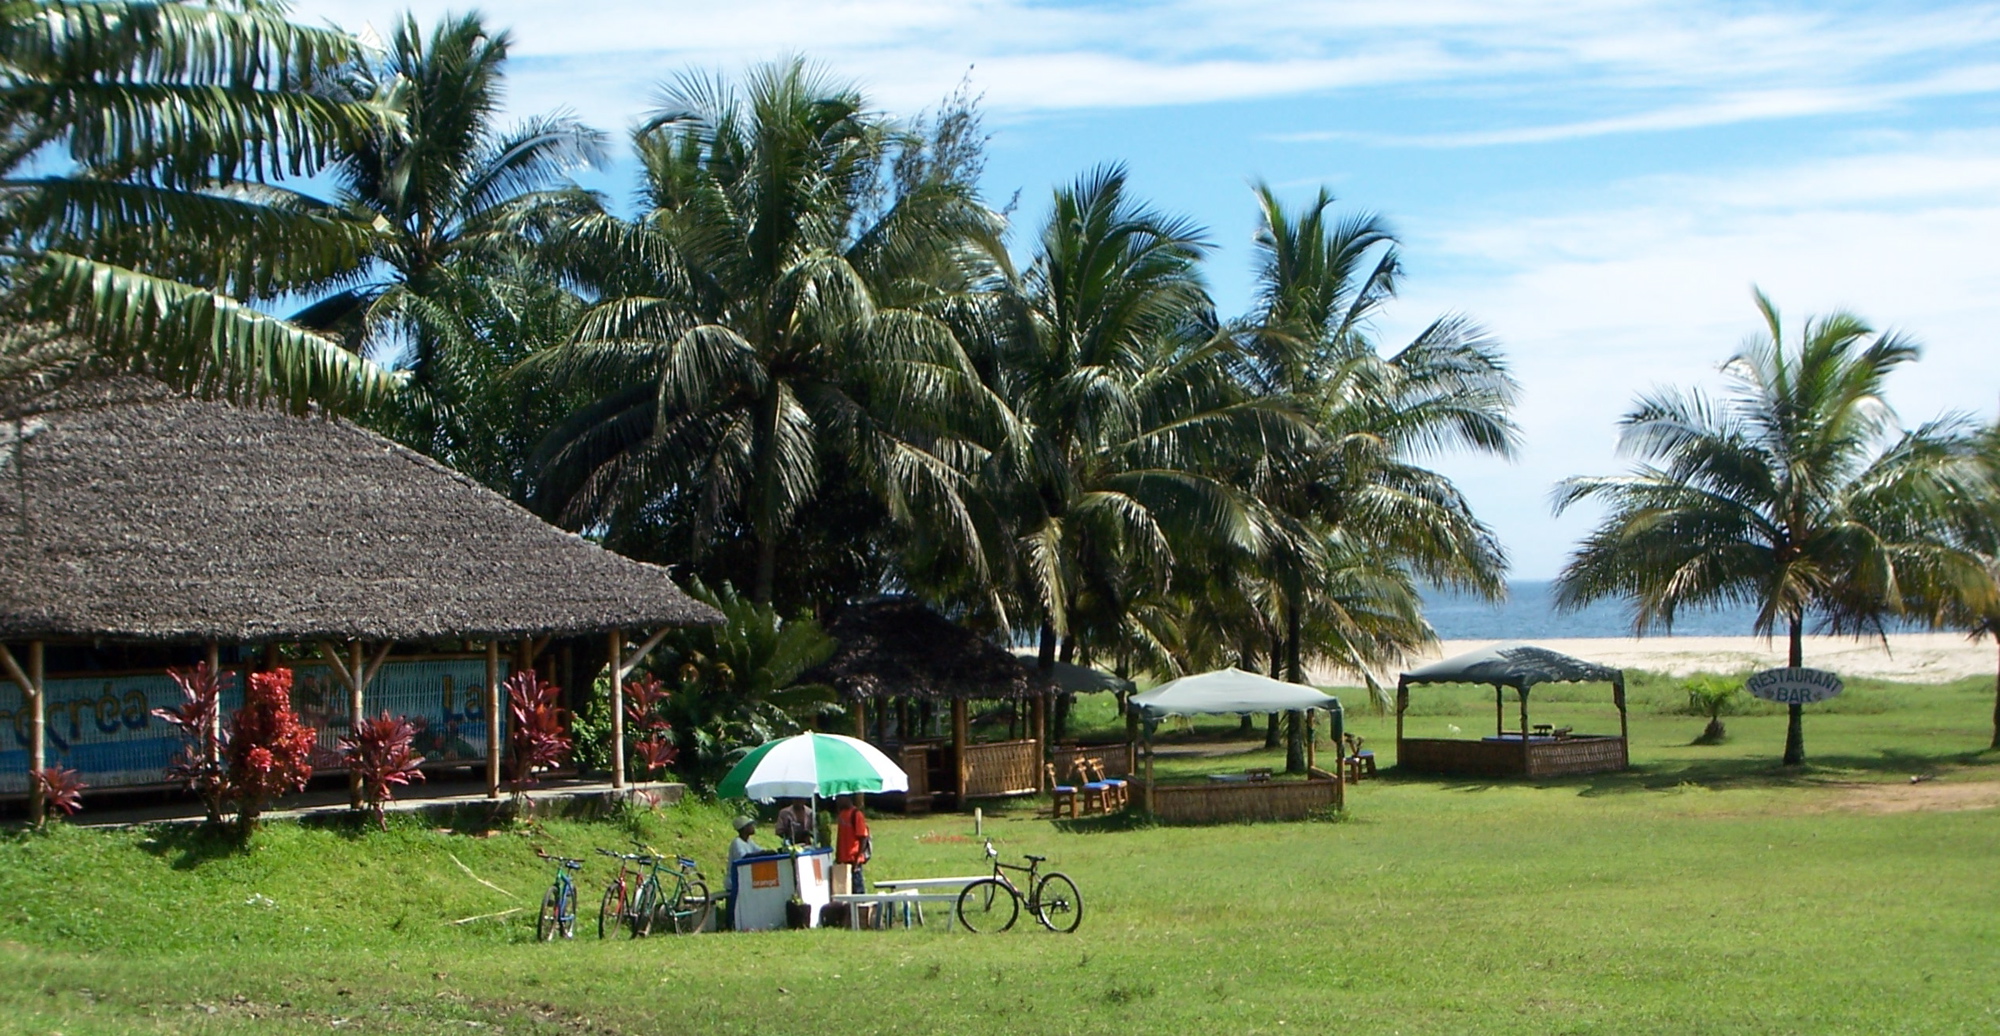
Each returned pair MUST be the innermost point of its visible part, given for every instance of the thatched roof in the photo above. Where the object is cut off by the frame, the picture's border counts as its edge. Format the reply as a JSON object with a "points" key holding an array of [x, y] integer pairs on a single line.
{"points": [[128, 512], [1520, 666], [898, 646]]}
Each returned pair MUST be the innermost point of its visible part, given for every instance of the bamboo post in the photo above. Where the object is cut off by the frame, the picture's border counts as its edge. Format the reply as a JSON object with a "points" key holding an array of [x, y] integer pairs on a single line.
{"points": [[1624, 736], [1527, 749], [617, 671], [492, 718], [356, 715], [1402, 705], [213, 748], [32, 699], [961, 736], [1499, 713]]}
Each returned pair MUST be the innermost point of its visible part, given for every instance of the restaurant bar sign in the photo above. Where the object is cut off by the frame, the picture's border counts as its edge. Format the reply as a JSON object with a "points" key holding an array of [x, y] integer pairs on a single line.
{"points": [[1794, 685], [103, 727]]}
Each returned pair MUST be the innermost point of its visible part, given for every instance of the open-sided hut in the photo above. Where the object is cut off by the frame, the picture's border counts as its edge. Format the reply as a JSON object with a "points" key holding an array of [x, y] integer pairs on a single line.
{"points": [[1527, 751], [898, 648], [138, 525]]}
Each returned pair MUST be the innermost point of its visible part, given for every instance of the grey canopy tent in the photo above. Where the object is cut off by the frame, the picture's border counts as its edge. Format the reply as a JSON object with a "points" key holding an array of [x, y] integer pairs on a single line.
{"points": [[1231, 692], [1521, 667]]}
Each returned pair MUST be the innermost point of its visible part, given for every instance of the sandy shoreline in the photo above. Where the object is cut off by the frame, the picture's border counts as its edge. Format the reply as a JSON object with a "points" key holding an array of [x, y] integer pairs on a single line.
{"points": [[1917, 657]]}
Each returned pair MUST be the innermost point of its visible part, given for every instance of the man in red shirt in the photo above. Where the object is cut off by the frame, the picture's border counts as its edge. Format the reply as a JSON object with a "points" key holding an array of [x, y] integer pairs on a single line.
{"points": [[851, 845]]}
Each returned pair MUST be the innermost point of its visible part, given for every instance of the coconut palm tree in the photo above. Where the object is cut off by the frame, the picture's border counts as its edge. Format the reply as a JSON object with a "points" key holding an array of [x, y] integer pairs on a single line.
{"points": [[775, 310], [1798, 493], [458, 203], [138, 197]]}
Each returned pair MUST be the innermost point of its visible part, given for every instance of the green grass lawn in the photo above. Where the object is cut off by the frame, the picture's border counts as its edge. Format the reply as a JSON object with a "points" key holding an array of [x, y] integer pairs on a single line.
{"points": [[1707, 891]]}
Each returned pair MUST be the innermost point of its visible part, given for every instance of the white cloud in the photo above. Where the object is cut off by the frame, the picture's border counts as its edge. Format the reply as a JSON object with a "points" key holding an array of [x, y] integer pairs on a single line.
{"points": [[1597, 305]]}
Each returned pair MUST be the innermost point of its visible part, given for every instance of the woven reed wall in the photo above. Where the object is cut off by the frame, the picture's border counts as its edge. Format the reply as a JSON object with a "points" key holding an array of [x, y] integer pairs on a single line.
{"points": [[1577, 755], [1115, 760], [1457, 758], [1003, 768], [1225, 803]]}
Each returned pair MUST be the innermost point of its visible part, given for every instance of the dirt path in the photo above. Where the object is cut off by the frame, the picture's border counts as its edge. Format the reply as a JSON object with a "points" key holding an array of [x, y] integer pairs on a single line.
{"points": [[1937, 796]]}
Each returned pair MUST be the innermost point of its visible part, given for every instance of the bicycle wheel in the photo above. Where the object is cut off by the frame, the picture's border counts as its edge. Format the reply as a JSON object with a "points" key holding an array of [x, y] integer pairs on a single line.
{"points": [[988, 905], [567, 914], [1058, 905], [611, 912], [644, 905], [551, 916], [691, 907]]}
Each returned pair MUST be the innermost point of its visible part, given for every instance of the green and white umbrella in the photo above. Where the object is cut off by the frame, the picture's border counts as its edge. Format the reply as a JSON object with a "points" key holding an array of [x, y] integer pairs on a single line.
{"points": [[812, 764]]}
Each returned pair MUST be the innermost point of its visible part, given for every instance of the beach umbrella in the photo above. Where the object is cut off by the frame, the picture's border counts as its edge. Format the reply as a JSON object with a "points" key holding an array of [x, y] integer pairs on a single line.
{"points": [[812, 764]]}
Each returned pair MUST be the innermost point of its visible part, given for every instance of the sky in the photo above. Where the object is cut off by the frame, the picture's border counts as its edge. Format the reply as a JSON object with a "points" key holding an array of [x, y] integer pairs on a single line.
{"points": [[1598, 184]]}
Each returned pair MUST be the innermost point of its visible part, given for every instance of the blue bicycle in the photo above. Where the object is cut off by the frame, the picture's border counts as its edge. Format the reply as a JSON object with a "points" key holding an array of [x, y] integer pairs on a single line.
{"points": [[559, 902]]}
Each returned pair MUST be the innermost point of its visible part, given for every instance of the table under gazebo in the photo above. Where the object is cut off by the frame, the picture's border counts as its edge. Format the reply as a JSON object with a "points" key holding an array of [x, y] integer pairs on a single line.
{"points": [[1528, 751]]}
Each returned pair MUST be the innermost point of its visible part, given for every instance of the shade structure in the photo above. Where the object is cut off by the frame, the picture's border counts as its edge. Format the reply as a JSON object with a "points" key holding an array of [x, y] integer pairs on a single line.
{"points": [[812, 764], [1076, 679], [1229, 691], [1516, 665]]}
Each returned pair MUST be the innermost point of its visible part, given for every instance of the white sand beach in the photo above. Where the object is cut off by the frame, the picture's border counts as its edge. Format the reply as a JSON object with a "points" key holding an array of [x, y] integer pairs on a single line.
{"points": [[1919, 657]]}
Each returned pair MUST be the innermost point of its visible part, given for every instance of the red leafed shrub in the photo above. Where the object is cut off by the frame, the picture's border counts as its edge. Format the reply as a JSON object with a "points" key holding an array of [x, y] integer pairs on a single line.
{"points": [[199, 764], [537, 736], [650, 735], [268, 748], [61, 789], [380, 750]]}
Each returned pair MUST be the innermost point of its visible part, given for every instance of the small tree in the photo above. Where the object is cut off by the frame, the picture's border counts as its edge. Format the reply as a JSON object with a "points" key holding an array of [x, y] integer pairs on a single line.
{"points": [[648, 732], [381, 751], [199, 763], [61, 789], [1711, 696], [268, 748], [536, 737]]}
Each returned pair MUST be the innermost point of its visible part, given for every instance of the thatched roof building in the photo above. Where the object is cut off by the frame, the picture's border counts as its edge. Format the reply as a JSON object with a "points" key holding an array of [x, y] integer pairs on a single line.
{"points": [[898, 646], [128, 512]]}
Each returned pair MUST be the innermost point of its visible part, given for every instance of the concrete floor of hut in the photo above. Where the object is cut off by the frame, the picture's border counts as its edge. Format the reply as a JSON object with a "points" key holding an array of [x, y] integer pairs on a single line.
{"points": [[328, 798]]}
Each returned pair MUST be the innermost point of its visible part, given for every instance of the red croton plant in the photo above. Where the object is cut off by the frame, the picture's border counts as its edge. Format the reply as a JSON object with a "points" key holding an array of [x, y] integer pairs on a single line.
{"points": [[537, 737], [381, 751], [650, 735], [61, 789], [199, 764], [268, 748]]}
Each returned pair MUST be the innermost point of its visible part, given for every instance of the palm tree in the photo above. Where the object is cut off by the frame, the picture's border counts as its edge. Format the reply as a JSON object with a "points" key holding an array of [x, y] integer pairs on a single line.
{"points": [[1797, 493], [1354, 518], [773, 311], [170, 123], [458, 204]]}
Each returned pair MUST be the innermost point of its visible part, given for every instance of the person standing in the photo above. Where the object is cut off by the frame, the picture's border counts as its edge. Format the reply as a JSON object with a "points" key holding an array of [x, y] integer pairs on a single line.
{"points": [[795, 824], [851, 845]]}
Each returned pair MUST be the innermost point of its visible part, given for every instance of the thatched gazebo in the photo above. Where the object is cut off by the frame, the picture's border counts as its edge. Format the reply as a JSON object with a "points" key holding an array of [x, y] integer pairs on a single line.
{"points": [[898, 648], [137, 519]]}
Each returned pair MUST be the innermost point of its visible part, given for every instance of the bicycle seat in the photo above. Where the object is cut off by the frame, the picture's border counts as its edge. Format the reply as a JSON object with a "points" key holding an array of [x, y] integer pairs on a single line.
{"points": [[575, 865], [686, 863], [1035, 859]]}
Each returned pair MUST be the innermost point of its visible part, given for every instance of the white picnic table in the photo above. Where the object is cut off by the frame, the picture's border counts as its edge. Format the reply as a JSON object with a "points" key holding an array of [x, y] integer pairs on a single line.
{"points": [[910, 892], [927, 883]]}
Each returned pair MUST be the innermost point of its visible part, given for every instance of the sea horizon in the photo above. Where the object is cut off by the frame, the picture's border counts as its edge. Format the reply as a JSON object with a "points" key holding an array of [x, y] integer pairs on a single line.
{"points": [[1528, 613]]}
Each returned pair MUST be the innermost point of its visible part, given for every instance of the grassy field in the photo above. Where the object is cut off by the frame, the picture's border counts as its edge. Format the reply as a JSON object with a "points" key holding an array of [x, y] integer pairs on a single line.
{"points": [[1707, 891]]}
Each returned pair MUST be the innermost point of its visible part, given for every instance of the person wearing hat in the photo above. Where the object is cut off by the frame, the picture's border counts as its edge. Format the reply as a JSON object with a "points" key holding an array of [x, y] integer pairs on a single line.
{"points": [[739, 848]]}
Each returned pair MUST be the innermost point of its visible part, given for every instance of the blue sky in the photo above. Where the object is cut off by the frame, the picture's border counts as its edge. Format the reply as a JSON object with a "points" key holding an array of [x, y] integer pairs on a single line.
{"points": [[1599, 184]]}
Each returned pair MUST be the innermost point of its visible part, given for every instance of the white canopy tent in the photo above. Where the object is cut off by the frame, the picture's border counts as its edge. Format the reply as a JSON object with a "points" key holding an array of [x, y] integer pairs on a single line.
{"points": [[1232, 691]]}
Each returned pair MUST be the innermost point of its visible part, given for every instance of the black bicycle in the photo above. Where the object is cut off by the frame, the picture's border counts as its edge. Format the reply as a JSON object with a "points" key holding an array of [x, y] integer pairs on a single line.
{"points": [[992, 904], [558, 915]]}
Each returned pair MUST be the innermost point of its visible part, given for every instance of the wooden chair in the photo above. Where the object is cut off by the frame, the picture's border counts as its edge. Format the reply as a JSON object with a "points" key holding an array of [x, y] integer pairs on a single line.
{"points": [[1360, 761], [1062, 797], [1094, 796], [1116, 792]]}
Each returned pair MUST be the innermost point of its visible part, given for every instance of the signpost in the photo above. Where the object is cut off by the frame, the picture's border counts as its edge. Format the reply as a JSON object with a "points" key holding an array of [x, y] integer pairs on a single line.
{"points": [[1794, 687]]}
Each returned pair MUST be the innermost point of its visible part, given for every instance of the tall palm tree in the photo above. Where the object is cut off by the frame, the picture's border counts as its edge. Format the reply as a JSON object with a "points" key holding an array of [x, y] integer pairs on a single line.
{"points": [[458, 203], [1355, 518], [774, 310], [1797, 493], [138, 197]]}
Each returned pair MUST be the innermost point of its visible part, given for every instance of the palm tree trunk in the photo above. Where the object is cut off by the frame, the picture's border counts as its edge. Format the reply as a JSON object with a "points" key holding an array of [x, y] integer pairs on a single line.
{"points": [[1996, 695], [1273, 736], [1795, 735], [764, 522], [1295, 721]]}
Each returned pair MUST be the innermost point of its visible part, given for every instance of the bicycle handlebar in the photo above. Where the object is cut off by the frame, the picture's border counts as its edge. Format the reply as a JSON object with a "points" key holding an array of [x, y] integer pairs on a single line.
{"points": [[572, 864], [639, 858]]}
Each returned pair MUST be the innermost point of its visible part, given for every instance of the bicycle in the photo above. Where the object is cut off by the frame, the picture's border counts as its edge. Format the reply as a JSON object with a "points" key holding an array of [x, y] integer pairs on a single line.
{"points": [[559, 902], [636, 899], [1053, 898]]}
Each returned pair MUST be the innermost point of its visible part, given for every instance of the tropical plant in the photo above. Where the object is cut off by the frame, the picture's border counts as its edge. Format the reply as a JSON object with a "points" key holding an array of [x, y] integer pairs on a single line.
{"points": [[268, 749], [457, 204], [738, 685], [138, 198], [1711, 696], [60, 788], [648, 733], [204, 743], [381, 750], [1797, 493], [537, 737], [768, 313]]}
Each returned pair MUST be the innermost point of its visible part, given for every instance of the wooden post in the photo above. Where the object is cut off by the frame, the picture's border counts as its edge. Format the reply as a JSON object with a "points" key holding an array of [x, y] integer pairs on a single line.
{"points": [[617, 671], [1402, 705], [356, 715], [1527, 750], [30, 682], [492, 718], [1499, 713], [961, 736], [861, 718], [1312, 735], [215, 721], [1149, 770], [1624, 735]]}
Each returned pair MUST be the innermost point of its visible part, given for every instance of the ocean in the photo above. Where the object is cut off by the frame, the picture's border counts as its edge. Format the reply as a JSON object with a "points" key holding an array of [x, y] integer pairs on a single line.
{"points": [[1528, 614]]}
